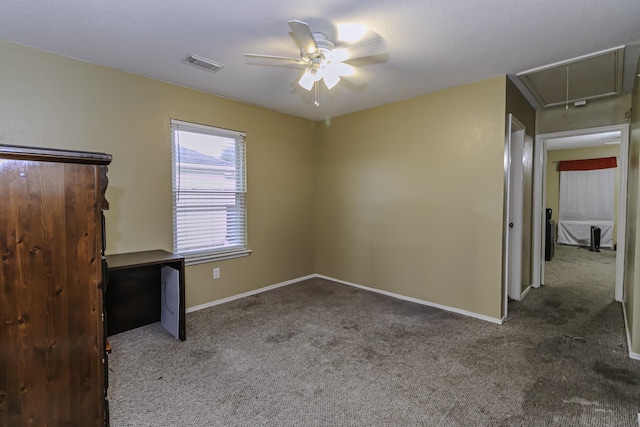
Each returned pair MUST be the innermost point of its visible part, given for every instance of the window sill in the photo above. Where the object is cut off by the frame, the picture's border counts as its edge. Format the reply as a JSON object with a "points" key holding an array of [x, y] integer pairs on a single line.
{"points": [[215, 257]]}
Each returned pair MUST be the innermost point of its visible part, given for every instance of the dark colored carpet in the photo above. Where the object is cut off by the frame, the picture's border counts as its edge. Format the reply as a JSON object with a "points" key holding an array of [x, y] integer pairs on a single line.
{"points": [[319, 353]]}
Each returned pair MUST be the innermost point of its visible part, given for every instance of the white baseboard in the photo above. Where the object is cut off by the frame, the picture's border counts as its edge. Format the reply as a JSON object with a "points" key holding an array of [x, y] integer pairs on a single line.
{"points": [[417, 301], [379, 291], [632, 355], [248, 294], [524, 294]]}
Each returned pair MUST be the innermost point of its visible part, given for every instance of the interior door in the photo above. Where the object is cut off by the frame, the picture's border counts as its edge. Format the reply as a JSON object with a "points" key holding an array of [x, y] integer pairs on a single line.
{"points": [[514, 150]]}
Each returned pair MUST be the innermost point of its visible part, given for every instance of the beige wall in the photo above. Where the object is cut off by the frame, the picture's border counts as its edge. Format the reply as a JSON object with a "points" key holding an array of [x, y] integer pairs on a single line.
{"points": [[553, 176], [632, 259], [410, 197], [52, 101], [597, 112]]}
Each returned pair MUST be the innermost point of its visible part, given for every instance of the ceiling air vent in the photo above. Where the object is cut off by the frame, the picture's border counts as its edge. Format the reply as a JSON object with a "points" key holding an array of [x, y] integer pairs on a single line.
{"points": [[203, 63]]}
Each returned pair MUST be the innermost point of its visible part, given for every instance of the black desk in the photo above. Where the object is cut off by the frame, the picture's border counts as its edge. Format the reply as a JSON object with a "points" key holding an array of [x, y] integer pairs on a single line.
{"points": [[133, 297]]}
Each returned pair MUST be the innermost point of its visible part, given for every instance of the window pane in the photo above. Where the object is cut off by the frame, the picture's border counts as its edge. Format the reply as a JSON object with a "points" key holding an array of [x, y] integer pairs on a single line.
{"points": [[208, 191]]}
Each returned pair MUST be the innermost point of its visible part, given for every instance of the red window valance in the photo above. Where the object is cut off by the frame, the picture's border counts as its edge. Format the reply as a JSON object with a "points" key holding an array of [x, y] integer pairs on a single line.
{"points": [[587, 164]]}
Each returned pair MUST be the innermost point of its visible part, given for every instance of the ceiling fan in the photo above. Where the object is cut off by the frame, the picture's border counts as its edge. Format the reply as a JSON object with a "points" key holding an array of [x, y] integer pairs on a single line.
{"points": [[323, 59]]}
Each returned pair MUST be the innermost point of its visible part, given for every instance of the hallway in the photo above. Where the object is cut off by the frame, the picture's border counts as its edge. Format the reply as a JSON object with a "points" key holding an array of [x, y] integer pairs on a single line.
{"points": [[579, 281]]}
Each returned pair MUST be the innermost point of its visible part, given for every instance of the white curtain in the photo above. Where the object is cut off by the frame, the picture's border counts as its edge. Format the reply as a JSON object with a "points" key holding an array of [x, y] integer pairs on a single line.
{"points": [[586, 199]]}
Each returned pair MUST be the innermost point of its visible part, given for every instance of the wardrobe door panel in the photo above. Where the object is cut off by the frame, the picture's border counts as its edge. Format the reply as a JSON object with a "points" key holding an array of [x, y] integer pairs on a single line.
{"points": [[51, 369]]}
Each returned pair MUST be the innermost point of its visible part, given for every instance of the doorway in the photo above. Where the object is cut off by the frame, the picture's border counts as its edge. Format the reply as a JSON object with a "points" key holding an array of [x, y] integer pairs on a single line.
{"points": [[576, 139]]}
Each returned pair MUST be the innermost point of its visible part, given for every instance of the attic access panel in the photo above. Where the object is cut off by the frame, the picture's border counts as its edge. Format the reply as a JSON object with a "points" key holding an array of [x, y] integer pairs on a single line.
{"points": [[588, 77]]}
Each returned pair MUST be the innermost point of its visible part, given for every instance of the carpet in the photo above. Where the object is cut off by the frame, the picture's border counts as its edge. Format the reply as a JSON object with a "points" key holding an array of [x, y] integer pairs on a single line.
{"points": [[319, 353]]}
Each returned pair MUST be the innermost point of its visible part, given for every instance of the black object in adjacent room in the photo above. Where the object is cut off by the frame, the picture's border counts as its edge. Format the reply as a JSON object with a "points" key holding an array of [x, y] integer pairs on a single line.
{"points": [[550, 237], [595, 239]]}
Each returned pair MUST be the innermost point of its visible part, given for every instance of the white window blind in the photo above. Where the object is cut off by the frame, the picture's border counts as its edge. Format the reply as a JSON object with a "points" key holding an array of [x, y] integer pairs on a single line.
{"points": [[209, 191]]}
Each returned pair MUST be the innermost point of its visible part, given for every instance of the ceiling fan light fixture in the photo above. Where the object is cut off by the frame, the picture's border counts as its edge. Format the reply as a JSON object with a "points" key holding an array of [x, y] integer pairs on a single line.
{"points": [[307, 80], [317, 68], [331, 79]]}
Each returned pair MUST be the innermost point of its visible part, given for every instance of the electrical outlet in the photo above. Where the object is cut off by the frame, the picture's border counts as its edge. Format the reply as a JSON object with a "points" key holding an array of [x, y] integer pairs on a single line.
{"points": [[216, 273]]}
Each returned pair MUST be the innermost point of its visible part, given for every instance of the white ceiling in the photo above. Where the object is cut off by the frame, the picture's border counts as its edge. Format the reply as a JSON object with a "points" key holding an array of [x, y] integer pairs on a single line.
{"points": [[583, 141], [433, 44]]}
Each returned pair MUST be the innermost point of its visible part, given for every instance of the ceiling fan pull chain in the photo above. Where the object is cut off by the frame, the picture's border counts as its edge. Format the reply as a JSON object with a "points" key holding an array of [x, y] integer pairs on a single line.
{"points": [[566, 102], [315, 95]]}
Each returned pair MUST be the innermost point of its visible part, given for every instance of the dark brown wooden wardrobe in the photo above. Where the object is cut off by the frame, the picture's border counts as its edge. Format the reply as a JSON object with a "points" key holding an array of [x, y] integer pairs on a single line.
{"points": [[53, 367]]}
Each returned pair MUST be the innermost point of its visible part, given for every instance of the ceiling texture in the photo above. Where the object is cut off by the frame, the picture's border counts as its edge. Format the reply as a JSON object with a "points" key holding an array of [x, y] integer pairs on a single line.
{"points": [[432, 44]]}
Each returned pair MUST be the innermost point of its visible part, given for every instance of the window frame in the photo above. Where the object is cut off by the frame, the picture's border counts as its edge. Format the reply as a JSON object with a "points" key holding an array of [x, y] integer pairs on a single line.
{"points": [[210, 255]]}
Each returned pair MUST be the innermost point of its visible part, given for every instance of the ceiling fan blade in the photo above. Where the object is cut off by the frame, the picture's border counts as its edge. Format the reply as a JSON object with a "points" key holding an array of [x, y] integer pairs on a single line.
{"points": [[341, 69], [369, 48], [356, 79], [285, 58], [303, 34]]}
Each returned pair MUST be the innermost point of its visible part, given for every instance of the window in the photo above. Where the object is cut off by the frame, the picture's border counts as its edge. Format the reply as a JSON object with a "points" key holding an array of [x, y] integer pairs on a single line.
{"points": [[209, 191]]}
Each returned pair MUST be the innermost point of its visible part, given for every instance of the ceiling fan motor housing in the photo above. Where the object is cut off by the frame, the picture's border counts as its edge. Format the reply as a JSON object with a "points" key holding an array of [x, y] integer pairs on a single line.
{"points": [[324, 46]]}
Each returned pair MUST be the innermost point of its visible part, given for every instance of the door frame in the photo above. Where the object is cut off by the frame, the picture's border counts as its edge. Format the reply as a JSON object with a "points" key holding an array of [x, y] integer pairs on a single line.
{"points": [[513, 125], [539, 198]]}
